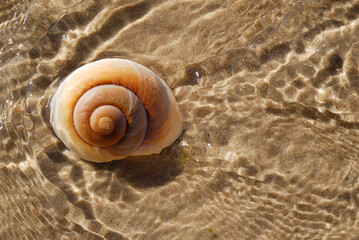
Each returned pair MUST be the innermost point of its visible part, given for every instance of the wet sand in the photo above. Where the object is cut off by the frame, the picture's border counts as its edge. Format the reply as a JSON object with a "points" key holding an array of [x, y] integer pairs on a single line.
{"points": [[269, 95]]}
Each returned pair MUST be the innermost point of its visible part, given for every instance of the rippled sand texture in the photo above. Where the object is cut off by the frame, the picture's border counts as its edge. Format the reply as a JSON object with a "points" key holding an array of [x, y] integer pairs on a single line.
{"points": [[269, 94]]}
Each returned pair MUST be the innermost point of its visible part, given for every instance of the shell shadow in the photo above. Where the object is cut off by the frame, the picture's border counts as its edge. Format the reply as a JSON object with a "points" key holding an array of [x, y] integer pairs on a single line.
{"points": [[145, 171]]}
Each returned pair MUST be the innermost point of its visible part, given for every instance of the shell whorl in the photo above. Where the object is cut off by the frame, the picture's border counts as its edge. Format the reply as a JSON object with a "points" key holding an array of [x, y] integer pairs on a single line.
{"points": [[113, 108]]}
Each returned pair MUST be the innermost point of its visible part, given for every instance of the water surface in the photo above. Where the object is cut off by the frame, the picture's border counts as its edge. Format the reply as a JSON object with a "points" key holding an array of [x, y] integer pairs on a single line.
{"points": [[269, 95]]}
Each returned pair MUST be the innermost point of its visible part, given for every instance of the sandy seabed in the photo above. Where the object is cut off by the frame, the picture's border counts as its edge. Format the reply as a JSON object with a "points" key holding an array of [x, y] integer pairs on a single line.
{"points": [[269, 95]]}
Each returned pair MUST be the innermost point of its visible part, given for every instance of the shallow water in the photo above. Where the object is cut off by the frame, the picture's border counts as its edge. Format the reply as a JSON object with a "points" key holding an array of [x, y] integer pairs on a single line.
{"points": [[269, 95]]}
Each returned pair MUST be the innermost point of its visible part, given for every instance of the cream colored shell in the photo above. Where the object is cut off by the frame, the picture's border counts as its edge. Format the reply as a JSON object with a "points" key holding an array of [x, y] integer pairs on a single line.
{"points": [[113, 108]]}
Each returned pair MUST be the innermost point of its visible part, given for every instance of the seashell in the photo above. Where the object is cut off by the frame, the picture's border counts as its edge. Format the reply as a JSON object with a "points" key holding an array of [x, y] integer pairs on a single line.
{"points": [[114, 108]]}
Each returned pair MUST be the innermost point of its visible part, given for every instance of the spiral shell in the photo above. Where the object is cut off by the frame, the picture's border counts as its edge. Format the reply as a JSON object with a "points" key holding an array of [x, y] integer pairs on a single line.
{"points": [[113, 108]]}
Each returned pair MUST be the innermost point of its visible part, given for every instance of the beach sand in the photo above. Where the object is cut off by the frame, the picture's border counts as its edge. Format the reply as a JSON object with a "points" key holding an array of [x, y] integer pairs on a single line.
{"points": [[268, 91]]}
